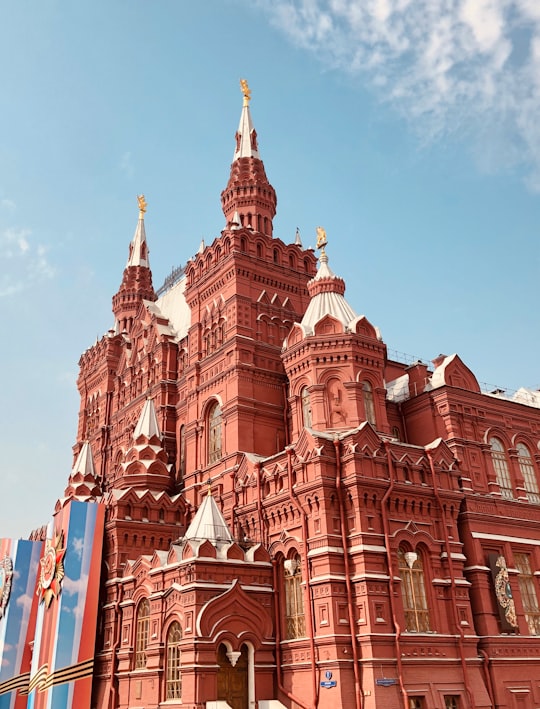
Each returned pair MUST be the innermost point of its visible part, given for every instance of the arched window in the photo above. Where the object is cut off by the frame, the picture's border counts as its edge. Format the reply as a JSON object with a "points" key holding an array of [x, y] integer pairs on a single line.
{"points": [[214, 433], [294, 599], [526, 468], [259, 251], [141, 636], [174, 672], [527, 586], [182, 471], [500, 464], [369, 404], [413, 591], [306, 407]]}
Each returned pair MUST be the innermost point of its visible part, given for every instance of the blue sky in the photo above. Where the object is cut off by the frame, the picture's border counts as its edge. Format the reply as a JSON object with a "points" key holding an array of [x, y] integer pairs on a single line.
{"points": [[409, 130]]}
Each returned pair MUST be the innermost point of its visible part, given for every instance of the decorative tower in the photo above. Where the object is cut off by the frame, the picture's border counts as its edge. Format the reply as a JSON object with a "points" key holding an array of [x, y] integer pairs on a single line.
{"points": [[244, 291], [249, 200], [334, 360], [137, 279]]}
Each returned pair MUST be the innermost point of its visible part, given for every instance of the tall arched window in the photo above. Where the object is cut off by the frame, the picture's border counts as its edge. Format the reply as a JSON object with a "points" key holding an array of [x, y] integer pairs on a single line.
{"points": [[306, 407], [141, 630], [214, 433], [369, 404], [500, 464], [413, 591], [526, 467], [182, 471], [294, 599], [174, 671], [527, 586]]}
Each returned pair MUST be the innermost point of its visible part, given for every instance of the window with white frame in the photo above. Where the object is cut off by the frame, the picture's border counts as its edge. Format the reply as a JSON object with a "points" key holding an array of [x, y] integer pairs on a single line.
{"points": [[526, 467], [174, 673], [295, 623], [141, 633], [214, 432], [413, 590], [306, 407], [369, 403], [500, 465], [527, 588]]}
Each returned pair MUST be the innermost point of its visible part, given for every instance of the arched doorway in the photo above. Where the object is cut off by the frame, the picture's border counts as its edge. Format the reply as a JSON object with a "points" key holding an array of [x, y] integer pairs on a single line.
{"points": [[232, 683]]}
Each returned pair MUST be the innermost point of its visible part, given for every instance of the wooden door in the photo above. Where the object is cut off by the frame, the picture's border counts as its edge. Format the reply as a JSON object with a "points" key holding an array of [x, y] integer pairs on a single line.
{"points": [[233, 681]]}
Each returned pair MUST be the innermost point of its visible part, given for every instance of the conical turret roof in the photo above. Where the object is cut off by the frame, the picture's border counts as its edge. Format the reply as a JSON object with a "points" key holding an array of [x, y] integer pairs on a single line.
{"points": [[208, 523], [327, 298]]}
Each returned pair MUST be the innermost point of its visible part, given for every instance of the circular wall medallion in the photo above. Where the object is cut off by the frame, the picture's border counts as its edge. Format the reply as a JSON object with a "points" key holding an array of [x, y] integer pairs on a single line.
{"points": [[52, 569]]}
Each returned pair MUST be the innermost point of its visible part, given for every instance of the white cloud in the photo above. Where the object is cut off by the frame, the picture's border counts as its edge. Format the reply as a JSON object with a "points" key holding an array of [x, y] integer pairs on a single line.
{"points": [[77, 545], [74, 587], [23, 264], [446, 65], [126, 164], [7, 204], [25, 601]]}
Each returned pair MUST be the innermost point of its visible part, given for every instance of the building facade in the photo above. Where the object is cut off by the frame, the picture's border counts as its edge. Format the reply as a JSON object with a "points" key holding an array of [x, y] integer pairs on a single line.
{"points": [[291, 517]]}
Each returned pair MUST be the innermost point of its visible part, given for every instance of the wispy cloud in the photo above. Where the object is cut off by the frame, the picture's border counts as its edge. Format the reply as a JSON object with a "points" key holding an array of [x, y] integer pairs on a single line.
{"points": [[23, 264], [7, 204], [126, 164], [447, 65]]}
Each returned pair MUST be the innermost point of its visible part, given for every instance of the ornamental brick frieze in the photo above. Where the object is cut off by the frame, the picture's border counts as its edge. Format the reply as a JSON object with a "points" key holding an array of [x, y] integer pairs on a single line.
{"points": [[509, 650], [421, 651], [296, 657]]}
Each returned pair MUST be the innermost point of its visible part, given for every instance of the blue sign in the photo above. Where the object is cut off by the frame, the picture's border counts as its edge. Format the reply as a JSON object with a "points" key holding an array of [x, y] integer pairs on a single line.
{"points": [[385, 682], [328, 674], [328, 685]]}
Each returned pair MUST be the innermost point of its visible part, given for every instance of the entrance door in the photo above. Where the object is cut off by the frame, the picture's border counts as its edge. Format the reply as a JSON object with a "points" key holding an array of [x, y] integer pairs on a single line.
{"points": [[233, 681]]}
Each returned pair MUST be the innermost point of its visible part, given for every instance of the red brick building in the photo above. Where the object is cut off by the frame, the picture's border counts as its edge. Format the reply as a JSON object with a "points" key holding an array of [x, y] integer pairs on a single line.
{"points": [[292, 518]]}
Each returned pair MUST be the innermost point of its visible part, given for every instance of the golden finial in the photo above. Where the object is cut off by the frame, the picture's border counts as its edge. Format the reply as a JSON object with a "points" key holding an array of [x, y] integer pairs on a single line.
{"points": [[246, 91], [142, 205], [321, 238], [209, 483]]}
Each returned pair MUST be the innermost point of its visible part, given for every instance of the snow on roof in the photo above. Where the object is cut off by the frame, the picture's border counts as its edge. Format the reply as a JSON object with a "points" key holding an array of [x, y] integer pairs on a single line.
{"points": [[172, 305], [398, 389], [530, 397]]}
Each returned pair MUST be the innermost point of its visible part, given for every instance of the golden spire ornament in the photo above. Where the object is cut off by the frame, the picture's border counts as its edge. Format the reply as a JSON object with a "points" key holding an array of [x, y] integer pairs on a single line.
{"points": [[246, 91], [321, 239], [142, 205]]}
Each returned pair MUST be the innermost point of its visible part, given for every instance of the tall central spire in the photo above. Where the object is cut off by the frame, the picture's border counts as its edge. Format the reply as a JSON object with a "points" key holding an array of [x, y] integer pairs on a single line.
{"points": [[248, 192]]}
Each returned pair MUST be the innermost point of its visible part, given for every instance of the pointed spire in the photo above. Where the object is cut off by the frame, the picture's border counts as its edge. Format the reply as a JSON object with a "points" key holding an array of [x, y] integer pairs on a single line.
{"points": [[246, 136], [138, 250], [327, 292], [208, 523], [297, 238], [85, 461], [137, 278], [248, 197], [82, 481], [202, 247], [235, 221], [147, 424]]}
